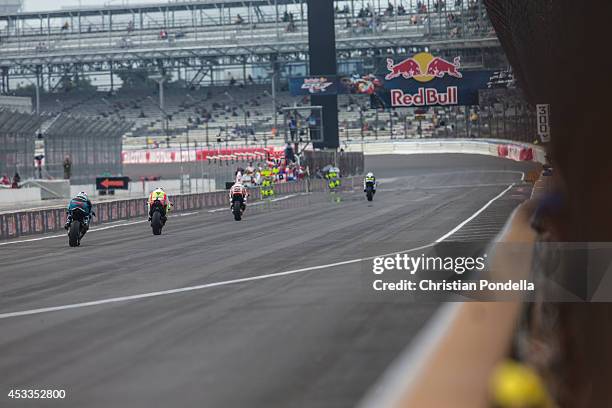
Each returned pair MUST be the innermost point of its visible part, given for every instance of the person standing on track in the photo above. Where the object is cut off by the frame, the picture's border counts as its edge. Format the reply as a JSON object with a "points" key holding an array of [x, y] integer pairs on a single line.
{"points": [[333, 177]]}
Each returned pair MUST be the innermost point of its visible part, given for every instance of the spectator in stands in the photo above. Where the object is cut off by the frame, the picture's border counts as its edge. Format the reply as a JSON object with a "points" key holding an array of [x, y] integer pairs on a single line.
{"points": [[389, 11], [289, 153], [16, 180], [66, 26], [130, 26], [239, 19], [163, 34], [293, 127], [6, 181], [291, 27], [286, 16], [401, 11]]}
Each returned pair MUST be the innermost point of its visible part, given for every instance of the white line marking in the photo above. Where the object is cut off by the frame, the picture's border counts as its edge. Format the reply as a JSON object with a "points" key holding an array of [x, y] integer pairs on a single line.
{"points": [[259, 202], [131, 223], [240, 280], [401, 375], [106, 227], [470, 218], [197, 287]]}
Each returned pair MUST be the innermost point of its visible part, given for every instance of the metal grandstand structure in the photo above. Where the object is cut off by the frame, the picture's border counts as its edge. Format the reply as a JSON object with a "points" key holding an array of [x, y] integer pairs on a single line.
{"points": [[196, 39]]}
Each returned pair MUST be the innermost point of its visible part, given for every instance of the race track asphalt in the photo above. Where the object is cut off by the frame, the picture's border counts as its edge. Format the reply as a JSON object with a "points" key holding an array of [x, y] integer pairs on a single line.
{"points": [[318, 337]]}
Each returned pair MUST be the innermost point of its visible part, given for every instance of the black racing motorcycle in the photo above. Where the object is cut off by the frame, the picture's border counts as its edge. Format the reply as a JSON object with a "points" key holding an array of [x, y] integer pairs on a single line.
{"points": [[79, 225], [369, 190], [158, 217], [238, 206]]}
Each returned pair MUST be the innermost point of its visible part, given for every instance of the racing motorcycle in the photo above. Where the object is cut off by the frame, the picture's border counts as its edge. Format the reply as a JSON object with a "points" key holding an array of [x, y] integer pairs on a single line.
{"points": [[79, 225], [238, 206], [369, 190], [158, 219]]}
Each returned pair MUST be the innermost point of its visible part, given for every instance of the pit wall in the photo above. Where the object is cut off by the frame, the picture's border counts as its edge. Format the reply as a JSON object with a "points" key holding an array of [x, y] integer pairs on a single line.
{"points": [[52, 219], [491, 147]]}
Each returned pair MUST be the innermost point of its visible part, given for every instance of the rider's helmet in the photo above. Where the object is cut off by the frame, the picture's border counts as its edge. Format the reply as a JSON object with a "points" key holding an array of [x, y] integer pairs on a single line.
{"points": [[161, 189], [370, 175], [83, 196]]}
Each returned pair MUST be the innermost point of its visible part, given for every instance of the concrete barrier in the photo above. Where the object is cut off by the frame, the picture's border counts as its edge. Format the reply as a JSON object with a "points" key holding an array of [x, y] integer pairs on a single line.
{"points": [[491, 147]]}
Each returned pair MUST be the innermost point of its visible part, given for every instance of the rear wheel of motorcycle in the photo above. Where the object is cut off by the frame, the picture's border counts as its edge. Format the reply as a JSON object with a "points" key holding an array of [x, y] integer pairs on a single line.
{"points": [[156, 223], [74, 234], [369, 194], [237, 211]]}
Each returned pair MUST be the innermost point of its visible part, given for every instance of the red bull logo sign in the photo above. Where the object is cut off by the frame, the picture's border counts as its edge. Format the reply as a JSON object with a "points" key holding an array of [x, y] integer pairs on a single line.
{"points": [[423, 67]]}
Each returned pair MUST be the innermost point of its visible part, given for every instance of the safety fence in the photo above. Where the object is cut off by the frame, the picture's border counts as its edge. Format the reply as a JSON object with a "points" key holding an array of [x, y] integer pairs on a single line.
{"points": [[52, 219], [80, 149], [17, 135], [349, 163]]}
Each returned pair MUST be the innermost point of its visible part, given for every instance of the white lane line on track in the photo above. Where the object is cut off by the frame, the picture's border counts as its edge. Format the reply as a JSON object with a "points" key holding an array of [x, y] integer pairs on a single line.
{"points": [[470, 218], [397, 379], [106, 227], [260, 202], [197, 287], [124, 224], [240, 280]]}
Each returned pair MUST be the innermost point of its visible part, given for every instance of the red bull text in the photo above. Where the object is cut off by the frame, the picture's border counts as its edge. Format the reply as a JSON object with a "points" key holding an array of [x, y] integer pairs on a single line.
{"points": [[424, 96]]}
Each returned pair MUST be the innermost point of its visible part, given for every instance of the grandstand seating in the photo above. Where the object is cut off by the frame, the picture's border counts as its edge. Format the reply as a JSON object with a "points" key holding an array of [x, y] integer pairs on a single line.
{"points": [[190, 109]]}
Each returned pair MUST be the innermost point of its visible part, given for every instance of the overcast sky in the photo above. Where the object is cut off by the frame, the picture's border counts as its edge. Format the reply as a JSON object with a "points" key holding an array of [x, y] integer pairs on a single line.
{"points": [[45, 5]]}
